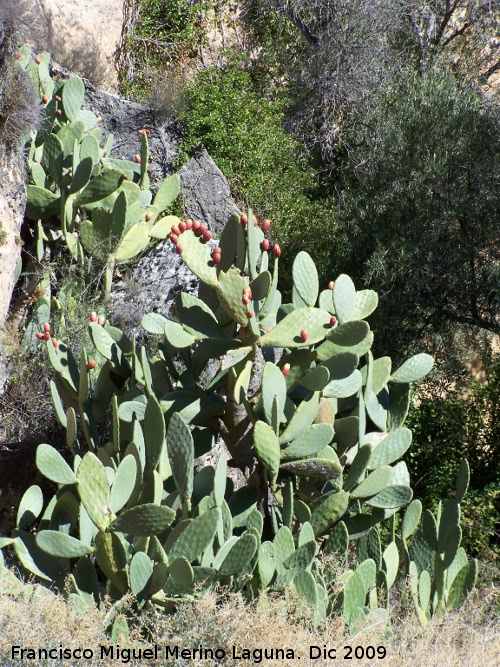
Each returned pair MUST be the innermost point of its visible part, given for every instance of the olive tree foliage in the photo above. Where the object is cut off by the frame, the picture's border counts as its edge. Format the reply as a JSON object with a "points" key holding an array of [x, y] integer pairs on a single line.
{"points": [[421, 216]]}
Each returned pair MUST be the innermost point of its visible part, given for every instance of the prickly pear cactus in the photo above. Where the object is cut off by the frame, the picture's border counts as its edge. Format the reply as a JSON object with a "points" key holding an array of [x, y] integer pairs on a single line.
{"points": [[318, 435], [100, 207]]}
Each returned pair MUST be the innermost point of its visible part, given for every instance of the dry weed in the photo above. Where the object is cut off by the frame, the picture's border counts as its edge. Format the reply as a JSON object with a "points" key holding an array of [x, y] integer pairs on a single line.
{"points": [[465, 639]]}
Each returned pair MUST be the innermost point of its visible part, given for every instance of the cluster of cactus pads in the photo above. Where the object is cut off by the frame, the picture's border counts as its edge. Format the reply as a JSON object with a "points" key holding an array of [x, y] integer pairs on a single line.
{"points": [[317, 433], [312, 420], [100, 207]]}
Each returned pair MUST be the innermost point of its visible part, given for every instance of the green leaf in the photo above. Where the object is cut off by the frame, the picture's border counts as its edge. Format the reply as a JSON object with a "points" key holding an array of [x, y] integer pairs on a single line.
{"points": [[414, 369], [62, 545], [144, 520], [305, 278], [52, 465]]}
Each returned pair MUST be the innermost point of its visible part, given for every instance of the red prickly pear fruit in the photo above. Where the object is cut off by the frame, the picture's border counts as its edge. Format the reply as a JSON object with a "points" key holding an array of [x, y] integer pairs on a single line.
{"points": [[304, 335], [175, 230], [91, 365], [206, 236], [144, 131], [333, 321], [174, 238], [17, 55], [216, 258], [182, 227], [93, 316], [58, 98], [245, 300], [59, 112], [46, 327], [265, 225], [124, 176], [37, 60], [244, 220], [255, 222], [178, 249], [189, 224], [148, 216], [276, 251], [45, 99], [40, 335], [55, 343], [201, 230], [286, 369], [99, 119], [267, 329], [101, 321], [138, 159], [46, 335], [331, 284], [264, 246], [195, 226], [249, 314]]}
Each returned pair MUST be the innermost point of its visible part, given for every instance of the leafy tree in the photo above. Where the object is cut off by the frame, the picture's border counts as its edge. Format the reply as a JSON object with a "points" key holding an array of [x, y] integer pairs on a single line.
{"points": [[422, 208]]}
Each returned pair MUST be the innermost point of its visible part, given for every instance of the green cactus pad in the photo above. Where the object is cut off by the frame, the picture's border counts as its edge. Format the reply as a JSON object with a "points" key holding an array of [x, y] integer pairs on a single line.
{"points": [[399, 404], [177, 336], [354, 596], [35, 560], [192, 407], [374, 483], [302, 418], [391, 448], [61, 545], [72, 96], [93, 489], [81, 175], [52, 465], [414, 369], [463, 478], [144, 520], [392, 496], [375, 411], [196, 256], [305, 278], [266, 563], [167, 192], [368, 571], [196, 537], [134, 242], [358, 467], [273, 384], [229, 291], [180, 448], [315, 379], [267, 447], [196, 317], [329, 508], [462, 585], [411, 519], [260, 286], [239, 556], [345, 387], [213, 348], [381, 372], [301, 559], [451, 545], [344, 298], [450, 518], [123, 484], [354, 337], [163, 227], [183, 574], [284, 545], [366, 302], [140, 572], [154, 432], [287, 333], [326, 301], [41, 203], [30, 506], [324, 469], [309, 442], [89, 148], [100, 187], [390, 559], [53, 157], [346, 433], [242, 382]]}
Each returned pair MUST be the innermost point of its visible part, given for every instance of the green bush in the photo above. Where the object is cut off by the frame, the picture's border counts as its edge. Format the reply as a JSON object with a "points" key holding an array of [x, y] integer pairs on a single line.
{"points": [[243, 130]]}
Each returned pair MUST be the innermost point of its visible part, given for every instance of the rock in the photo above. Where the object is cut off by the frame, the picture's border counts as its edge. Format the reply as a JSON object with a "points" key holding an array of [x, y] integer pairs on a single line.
{"points": [[206, 192]]}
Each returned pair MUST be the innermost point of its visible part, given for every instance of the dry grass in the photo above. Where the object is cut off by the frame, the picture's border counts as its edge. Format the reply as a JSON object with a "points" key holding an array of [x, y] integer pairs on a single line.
{"points": [[466, 639]]}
